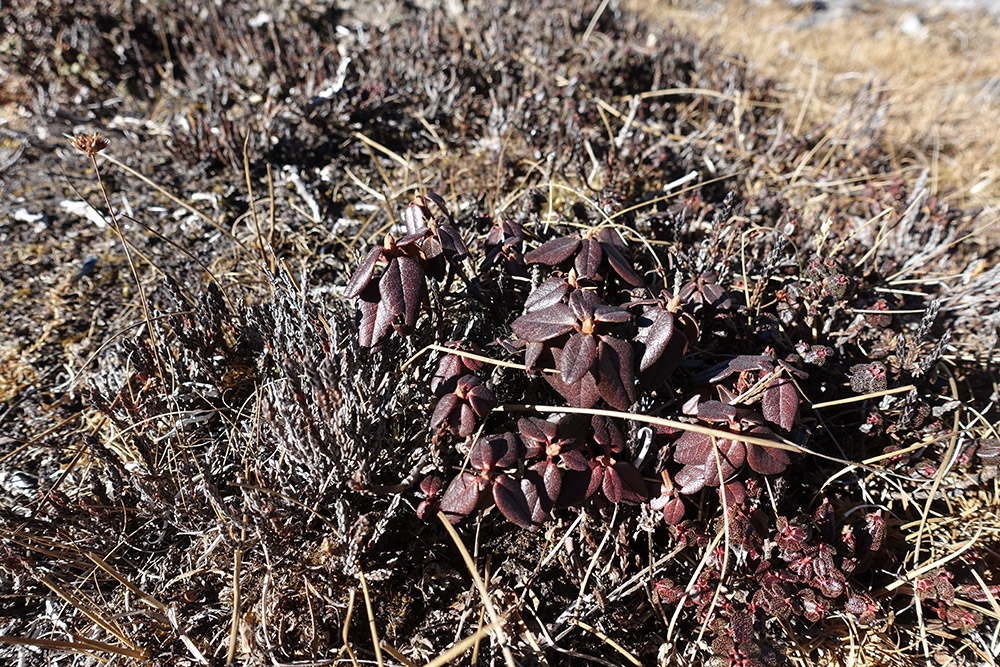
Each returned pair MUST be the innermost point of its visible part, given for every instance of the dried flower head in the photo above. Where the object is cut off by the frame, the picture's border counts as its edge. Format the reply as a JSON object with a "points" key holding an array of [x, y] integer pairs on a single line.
{"points": [[89, 144]]}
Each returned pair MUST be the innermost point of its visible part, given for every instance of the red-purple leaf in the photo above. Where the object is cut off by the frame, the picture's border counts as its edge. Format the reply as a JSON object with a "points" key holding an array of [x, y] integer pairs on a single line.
{"points": [[739, 364], [735, 492], [533, 489], [541, 485], [612, 485], [588, 259], [692, 479], [463, 421], [484, 455], [621, 265], [583, 302], [766, 460], [438, 202], [481, 399], [443, 410], [577, 357], [415, 217], [655, 335], [500, 450], [580, 394], [552, 477], [431, 485], [574, 459], [617, 381], [715, 295], [411, 239], [553, 252], [390, 289], [538, 430], [633, 486], [510, 449], [612, 314], [780, 404], [376, 317], [658, 372], [363, 274], [413, 288], [445, 378], [532, 353], [543, 324], [550, 292], [368, 311], [697, 450], [693, 448], [596, 478], [462, 496], [431, 247], [607, 435], [452, 245], [673, 512], [716, 411], [511, 501]]}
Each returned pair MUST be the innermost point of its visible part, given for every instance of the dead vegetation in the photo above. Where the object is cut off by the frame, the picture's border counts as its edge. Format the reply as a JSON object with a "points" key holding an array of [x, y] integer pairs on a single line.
{"points": [[202, 464]]}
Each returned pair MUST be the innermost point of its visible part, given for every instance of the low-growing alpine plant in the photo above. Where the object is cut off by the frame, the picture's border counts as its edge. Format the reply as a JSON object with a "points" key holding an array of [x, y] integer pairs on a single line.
{"points": [[600, 333], [647, 377]]}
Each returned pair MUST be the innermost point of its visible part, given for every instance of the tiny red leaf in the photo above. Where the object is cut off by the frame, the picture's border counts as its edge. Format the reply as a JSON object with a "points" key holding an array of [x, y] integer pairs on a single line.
{"points": [[543, 324], [462, 496], [577, 357], [511, 502], [588, 259], [553, 252], [363, 274], [780, 404]]}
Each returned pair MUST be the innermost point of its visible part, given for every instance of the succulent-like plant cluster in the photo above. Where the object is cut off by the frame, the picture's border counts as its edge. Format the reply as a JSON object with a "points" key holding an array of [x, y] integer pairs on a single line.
{"points": [[599, 332], [647, 388]]}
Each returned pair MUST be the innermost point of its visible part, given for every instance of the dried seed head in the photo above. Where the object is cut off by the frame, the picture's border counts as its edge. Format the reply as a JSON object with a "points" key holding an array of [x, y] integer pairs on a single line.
{"points": [[89, 144]]}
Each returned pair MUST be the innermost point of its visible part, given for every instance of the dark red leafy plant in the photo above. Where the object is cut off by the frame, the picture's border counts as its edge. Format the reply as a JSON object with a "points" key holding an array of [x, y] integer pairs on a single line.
{"points": [[710, 460], [591, 254], [592, 362], [459, 409], [392, 300]]}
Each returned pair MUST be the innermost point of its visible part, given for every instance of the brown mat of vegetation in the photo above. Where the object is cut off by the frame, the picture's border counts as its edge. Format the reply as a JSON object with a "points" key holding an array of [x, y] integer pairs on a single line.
{"points": [[511, 333]]}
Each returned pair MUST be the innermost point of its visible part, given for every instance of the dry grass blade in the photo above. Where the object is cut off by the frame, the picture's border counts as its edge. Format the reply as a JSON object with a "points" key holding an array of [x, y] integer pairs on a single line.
{"points": [[234, 625], [495, 619], [449, 655], [371, 619], [84, 646], [908, 577], [864, 397], [609, 641], [90, 610]]}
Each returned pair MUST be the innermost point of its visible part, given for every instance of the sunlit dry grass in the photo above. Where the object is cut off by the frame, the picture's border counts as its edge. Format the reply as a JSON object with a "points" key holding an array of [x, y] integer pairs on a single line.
{"points": [[942, 87]]}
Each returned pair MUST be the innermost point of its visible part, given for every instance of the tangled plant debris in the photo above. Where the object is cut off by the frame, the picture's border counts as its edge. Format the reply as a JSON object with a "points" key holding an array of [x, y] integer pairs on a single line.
{"points": [[542, 273]]}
